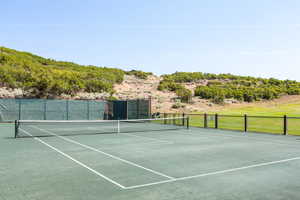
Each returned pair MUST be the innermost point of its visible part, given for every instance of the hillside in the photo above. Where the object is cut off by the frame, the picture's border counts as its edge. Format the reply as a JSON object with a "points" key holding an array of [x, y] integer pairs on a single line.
{"points": [[23, 74], [46, 78]]}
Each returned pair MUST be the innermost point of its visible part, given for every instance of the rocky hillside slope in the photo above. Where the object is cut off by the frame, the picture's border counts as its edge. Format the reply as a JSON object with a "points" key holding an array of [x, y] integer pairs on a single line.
{"points": [[25, 75], [163, 101], [132, 88]]}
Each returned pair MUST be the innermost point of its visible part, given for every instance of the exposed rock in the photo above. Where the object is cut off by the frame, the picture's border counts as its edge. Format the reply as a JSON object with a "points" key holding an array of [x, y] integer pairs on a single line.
{"points": [[85, 95], [10, 93], [133, 88]]}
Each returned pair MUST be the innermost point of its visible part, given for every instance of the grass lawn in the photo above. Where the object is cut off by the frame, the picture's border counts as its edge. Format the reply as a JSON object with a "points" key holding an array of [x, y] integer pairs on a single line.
{"points": [[291, 110], [289, 106]]}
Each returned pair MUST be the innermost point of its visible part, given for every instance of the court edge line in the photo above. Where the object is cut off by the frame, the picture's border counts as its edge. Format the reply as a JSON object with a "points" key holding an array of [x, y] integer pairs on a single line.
{"points": [[213, 173], [76, 161], [107, 154]]}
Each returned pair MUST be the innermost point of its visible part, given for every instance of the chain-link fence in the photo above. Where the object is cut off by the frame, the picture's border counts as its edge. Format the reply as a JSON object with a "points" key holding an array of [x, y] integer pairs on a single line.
{"points": [[138, 109], [46, 109], [129, 109]]}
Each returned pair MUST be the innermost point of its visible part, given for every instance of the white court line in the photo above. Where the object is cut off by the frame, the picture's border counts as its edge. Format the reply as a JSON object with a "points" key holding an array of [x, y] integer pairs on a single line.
{"points": [[76, 161], [149, 138], [107, 154], [214, 173]]}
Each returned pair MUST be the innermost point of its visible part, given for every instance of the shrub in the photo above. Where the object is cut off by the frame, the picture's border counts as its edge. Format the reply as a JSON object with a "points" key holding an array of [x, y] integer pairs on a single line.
{"points": [[111, 98], [169, 85], [293, 91], [218, 99], [214, 83], [184, 94], [178, 105], [139, 74]]}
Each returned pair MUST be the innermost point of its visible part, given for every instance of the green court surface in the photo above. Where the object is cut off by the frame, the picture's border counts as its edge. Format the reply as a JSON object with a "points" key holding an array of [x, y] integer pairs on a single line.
{"points": [[171, 164]]}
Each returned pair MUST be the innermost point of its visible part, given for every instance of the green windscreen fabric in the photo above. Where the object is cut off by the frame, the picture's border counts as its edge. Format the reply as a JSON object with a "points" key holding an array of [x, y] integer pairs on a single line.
{"points": [[78, 110], [97, 110], [132, 109], [56, 110], [144, 109], [45, 109], [138, 109], [9, 109], [48, 109], [120, 110], [32, 108]]}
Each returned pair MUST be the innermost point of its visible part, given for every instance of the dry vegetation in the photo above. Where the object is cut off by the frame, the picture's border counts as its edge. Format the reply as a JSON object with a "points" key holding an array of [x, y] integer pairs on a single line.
{"points": [[24, 75]]}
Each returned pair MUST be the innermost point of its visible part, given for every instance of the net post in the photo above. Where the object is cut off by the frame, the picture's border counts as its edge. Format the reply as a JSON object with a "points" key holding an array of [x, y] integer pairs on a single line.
{"points": [[16, 128], [216, 121], [245, 123], [118, 126], [183, 116], [205, 120], [285, 123], [165, 121]]}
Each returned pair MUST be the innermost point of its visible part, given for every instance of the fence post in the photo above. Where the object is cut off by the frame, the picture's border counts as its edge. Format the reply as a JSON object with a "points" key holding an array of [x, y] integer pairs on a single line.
{"points": [[138, 109], [285, 125], [188, 122], [67, 108], [20, 109], [174, 116], [205, 120], [165, 121], [216, 121], [88, 109], [150, 107], [245, 123], [45, 109], [127, 109]]}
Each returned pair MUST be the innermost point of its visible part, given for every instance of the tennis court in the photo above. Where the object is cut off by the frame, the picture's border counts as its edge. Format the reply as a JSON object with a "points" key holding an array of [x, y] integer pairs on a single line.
{"points": [[129, 160]]}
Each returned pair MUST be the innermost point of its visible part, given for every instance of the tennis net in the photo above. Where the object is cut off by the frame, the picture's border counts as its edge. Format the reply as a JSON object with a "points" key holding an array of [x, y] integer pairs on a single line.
{"points": [[44, 128]]}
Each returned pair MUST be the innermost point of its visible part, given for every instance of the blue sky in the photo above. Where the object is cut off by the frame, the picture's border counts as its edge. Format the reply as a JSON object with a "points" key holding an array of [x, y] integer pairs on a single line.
{"points": [[246, 37]]}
